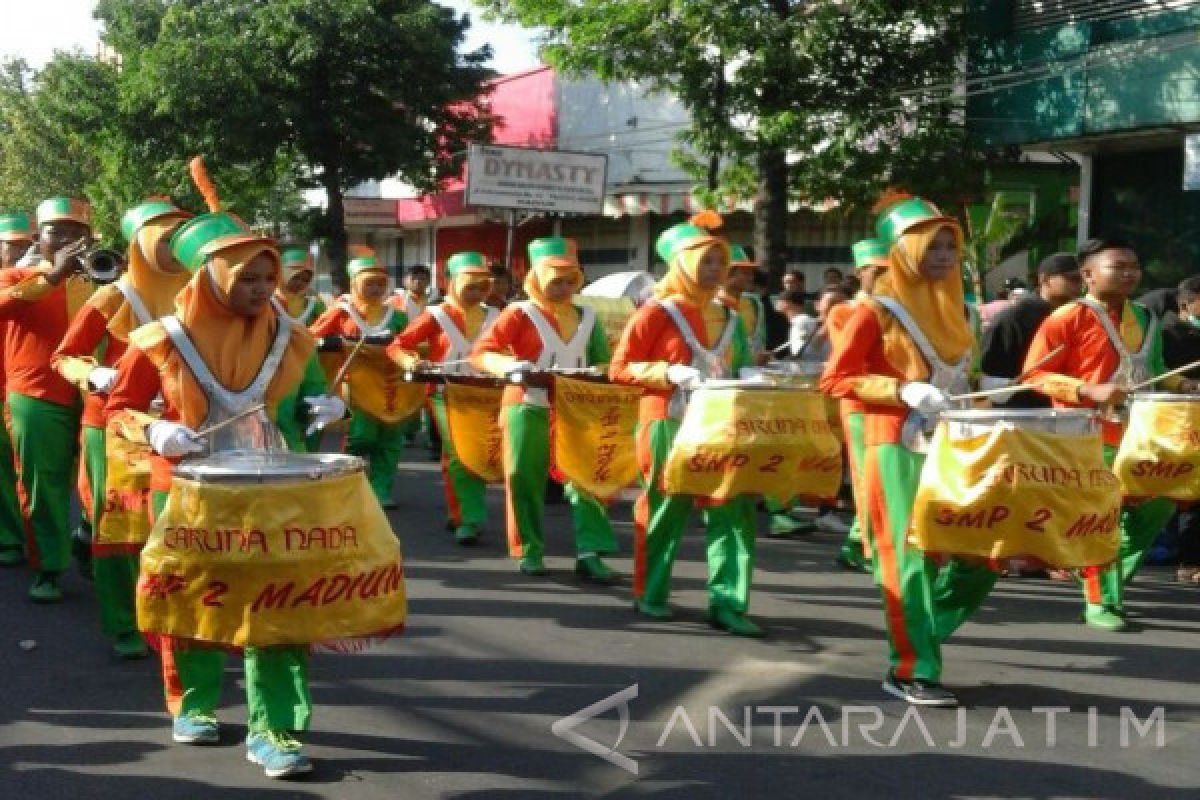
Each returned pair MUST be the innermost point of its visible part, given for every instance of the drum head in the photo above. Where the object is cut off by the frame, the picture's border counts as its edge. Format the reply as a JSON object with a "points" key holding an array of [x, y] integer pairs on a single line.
{"points": [[970, 423], [257, 466]]}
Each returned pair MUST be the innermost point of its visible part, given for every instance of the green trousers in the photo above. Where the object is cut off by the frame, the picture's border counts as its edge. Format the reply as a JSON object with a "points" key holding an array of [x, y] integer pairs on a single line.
{"points": [[856, 448], [660, 520], [1140, 525], [115, 574], [923, 603], [277, 692], [381, 445], [465, 493], [526, 432], [12, 527], [45, 436]]}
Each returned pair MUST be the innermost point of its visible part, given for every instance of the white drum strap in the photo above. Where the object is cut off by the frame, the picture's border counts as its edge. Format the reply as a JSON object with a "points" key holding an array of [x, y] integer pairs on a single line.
{"points": [[709, 362], [365, 328], [460, 345], [140, 312], [225, 400], [556, 352], [1133, 366], [953, 376]]}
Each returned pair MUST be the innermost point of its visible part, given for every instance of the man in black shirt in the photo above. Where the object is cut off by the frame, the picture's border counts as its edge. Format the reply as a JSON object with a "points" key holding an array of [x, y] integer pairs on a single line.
{"points": [[1181, 345], [1007, 339]]}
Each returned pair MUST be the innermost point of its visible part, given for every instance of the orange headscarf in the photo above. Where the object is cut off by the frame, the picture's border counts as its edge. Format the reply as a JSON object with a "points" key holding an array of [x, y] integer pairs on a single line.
{"points": [[536, 280], [294, 302], [472, 315], [937, 306], [156, 286], [680, 280], [371, 310], [232, 346]]}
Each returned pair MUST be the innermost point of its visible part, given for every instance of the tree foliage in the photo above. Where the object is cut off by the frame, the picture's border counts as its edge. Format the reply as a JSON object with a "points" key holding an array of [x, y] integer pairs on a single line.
{"points": [[279, 95], [353, 89], [817, 100]]}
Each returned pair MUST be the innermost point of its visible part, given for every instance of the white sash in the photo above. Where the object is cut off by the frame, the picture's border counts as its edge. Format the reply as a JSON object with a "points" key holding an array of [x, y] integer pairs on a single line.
{"points": [[556, 352]]}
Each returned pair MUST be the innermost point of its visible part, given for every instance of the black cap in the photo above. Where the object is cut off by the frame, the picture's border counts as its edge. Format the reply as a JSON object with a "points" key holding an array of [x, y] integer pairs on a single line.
{"points": [[1058, 264]]}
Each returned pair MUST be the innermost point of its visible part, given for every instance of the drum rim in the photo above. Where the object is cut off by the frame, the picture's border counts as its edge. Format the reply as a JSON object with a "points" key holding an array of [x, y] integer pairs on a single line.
{"points": [[977, 415], [341, 464], [1164, 397]]}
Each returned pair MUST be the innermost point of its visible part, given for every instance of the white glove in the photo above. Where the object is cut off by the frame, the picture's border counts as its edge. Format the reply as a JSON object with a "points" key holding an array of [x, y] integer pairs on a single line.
{"points": [[752, 374], [521, 366], [990, 382], [323, 409], [101, 379], [924, 397], [172, 440], [683, 376]]}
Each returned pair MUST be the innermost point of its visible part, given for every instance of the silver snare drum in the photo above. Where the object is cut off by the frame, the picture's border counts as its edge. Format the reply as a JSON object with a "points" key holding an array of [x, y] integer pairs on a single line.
{"points": [[259, 466], [972, 423]]}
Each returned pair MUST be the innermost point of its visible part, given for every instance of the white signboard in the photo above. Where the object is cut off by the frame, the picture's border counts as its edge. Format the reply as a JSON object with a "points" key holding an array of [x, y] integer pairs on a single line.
{"points": [[535, 180], [1191, 162]]}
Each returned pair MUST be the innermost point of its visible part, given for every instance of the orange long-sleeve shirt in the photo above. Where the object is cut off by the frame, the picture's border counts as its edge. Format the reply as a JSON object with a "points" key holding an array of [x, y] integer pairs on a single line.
{"points": [[835, 324], [652, 341], [76, 354], [138, 383], [37, 316], [513, 337], [859, 370], [1087, 357]]}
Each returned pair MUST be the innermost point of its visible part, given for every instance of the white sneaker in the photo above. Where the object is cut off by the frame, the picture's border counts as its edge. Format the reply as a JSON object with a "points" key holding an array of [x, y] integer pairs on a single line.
{"points": [[831, 523]]}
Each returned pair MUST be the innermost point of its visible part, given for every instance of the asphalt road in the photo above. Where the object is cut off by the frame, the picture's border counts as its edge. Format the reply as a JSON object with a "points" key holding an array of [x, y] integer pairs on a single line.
{"points": [[463, 705]]}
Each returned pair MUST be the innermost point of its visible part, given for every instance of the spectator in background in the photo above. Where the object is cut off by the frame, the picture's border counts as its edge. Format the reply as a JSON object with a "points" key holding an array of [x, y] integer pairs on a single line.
{"points": [[833, 276], [498, 295], [1181, 346], [793, 281], [1007, 339]]}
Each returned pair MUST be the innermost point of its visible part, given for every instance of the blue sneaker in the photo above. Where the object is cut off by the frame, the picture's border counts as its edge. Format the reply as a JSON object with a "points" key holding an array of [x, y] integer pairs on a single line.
{"points": [[195, 728], [278, 752]]}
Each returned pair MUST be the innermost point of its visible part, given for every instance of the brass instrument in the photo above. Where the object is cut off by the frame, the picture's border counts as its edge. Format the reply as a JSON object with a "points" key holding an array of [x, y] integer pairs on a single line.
{"points": [[100, 265]]}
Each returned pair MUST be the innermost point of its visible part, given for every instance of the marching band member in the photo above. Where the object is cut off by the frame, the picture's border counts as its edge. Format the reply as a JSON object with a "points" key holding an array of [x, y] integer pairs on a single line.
{"points": [[376, 433], [295, 295], [37, 304], [1107, 343], [225, 345], [543, 332], [448, 331], [870, 261], [903, 350], [735, 295], [94, 342], [670, 344], [296, 299], [16, 238], [413, 297]]}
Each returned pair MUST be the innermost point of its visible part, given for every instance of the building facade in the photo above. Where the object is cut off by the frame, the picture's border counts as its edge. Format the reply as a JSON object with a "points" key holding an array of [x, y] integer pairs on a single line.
{"points": [[1113, 88]]}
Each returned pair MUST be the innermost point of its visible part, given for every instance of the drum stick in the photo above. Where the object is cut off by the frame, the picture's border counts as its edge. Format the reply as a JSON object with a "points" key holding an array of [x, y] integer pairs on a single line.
{"points": [[226, 423], [1171, 374], [341, 373], [1016, 385]]}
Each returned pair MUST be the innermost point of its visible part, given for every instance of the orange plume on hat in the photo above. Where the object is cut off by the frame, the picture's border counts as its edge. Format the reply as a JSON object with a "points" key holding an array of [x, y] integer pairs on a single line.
{"points": [[889, 197], [707, 219], [204, 184], [360, 251]]}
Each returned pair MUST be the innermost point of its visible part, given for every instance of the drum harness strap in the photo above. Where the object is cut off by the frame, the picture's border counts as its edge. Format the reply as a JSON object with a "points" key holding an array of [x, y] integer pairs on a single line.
{"points": [[556, 352], [298, 319], [710, 362], [950, 378], [1133, 367], [140, 312], [224, 403], [365, 329], [460, 346]]}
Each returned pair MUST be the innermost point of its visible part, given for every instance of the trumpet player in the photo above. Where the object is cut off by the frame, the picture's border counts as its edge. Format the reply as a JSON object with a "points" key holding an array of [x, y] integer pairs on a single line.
{"points": [[37, 305], [16, 238]]}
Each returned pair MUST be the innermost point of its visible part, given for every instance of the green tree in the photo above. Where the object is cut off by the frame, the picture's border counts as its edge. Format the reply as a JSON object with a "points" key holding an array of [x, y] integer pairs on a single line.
{"points": [[354, 90], [66, 130], [810, 100]]}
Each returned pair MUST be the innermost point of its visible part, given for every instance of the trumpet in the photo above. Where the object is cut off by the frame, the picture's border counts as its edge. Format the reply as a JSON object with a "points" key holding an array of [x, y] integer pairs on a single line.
{"points": [[100, 265]]}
